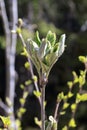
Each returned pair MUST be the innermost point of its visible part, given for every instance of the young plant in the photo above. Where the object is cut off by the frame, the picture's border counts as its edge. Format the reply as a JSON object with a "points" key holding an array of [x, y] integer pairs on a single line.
{"points": [[44, 54]]}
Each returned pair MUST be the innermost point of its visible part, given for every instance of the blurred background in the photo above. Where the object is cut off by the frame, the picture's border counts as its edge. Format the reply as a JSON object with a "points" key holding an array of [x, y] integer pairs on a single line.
{"points": [[59, 16]]}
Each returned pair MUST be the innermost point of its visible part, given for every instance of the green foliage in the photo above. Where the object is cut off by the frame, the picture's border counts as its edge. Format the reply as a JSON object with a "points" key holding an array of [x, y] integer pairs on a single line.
{"points": [[27, 65], [37, 122], [28, 82], [72, 123], [60, 96], [65, 128], [37, 93], [45, 55], [6, 121]]}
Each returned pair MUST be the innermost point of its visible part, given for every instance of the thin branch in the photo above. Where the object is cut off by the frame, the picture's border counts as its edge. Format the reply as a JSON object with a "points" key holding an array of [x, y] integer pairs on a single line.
{"points": [[4, 106], [56, 110], [8, 40], [31, 69]]}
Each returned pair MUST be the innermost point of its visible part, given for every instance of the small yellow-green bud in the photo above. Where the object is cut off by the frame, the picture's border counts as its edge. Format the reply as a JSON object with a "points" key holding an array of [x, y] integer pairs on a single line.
{"points": [[20, 22], [72, 123], [35, 78], [27, 65]]}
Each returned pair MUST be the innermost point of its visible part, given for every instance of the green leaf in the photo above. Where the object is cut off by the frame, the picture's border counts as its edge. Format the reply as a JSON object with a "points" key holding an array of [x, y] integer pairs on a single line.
{"points": [[34, 78], [65, 105], [18, 123], [70, 84], [61, 45], [42, 50], [78, 98], [37, 38], [51, 37], [22, 101], [28, 82], [6, 121], [60, 96], [22, 110], [37, 93], [75, 76], [84, 97], [37, 122], [83, 59], [27, 65], [72, 123], [24, 53], [63, 113], [65, 128], [25, 94], [70, 94], [50, 59], [73, 107], [22, 86]]}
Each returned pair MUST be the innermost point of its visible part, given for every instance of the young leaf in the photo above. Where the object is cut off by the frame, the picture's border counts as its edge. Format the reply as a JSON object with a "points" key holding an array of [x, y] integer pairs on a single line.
{"points": [[72, 123], [65, 128], [37, 38], [6, 121], [65, 105], [51, 37], [37, 122], [37, 93], [82, 59], [61, 45]]}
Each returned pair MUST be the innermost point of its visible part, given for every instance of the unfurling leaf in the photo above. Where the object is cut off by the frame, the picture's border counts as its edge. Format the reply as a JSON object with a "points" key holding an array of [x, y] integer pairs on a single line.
{"points": [[37, 122], [65, 105], [27, 65], [6, 121], [65, 128], [60, 96], [37, 93], [83, 59], [72, 123]]}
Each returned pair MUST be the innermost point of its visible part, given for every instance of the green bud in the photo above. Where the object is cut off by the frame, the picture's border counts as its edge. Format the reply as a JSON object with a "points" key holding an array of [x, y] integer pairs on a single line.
{"points": [[27, 65], [65, 105], [72, 123], [37, 93], [6, 121], [73, 107], [35, 78], [22, 101], [60, 96], [28, 82], [82, 59], [20, 22], [44, 53]]}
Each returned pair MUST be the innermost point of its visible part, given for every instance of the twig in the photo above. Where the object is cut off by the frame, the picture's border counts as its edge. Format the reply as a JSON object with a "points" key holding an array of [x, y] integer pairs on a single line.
{"points": [[31, 69], [42, 83], [43, 108], [4, 106], [56, 110]]}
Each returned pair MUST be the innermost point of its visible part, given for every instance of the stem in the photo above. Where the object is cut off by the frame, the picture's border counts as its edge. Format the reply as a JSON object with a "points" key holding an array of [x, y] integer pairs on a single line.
{"points": [[43, 107], [56, 110], [31, 69], [43, 82], [35, 83]]}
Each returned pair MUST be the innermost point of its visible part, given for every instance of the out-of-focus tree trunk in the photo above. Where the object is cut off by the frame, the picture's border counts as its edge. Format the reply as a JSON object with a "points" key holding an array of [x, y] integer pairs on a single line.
{"points": [[10, 52], [10, 91], [8, 38]]}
